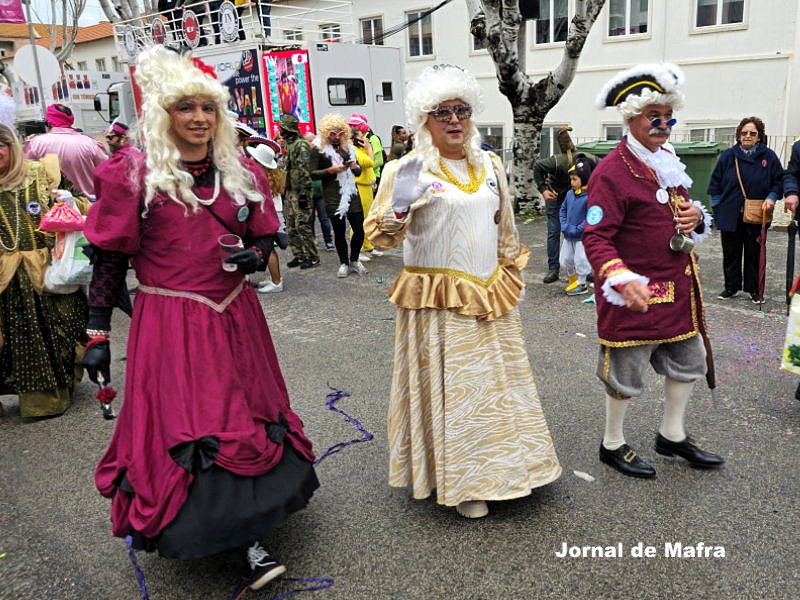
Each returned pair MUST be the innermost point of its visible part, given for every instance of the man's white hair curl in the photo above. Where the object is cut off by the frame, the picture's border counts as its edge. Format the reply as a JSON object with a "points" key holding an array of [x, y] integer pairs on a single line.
{"points": [[634, 105], [435, 85], [165, 77]]}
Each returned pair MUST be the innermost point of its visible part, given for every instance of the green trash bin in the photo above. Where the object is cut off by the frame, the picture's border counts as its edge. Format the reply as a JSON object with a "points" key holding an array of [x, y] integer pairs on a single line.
{"points": [[699, 158]]}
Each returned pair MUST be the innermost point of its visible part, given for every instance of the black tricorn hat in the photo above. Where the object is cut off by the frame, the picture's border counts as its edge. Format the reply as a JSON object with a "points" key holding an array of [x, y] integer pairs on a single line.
{"points": [[664, 78]]}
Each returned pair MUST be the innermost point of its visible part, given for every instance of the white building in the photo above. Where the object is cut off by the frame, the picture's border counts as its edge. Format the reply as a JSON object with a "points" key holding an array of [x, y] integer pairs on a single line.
{"points": [[739, 58]]}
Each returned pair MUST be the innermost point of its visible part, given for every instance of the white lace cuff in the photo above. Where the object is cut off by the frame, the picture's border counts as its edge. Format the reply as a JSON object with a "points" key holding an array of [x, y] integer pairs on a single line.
{"points": [[612, 295], [699, 237]]}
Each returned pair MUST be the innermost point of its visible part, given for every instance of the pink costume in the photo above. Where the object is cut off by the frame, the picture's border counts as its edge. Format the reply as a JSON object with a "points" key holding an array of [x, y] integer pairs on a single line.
{"points": [[79, 154], [205, 400]]}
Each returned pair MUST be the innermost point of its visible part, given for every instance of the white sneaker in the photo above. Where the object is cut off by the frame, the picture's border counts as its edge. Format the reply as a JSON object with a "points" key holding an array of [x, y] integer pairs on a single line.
{"points": [[343, 270], [472, 509], [357, 267], [364, 257], [374, 252], [270, 287]]}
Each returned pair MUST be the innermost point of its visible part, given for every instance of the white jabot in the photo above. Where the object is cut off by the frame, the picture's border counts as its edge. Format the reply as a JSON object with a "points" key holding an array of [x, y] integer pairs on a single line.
{"points": [[668, 167]]}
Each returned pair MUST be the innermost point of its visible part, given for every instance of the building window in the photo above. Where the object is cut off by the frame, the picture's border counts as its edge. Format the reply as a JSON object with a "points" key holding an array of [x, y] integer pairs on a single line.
{"points": [[372, 31], [420, 35], [115, 65], [549, 144], [492, 135], [331, 32], [725, 134], [627, 17], [613, 132], [82, 66], [100, 64], [346, 92], [553, 22], [293, 35], [719, 12]]}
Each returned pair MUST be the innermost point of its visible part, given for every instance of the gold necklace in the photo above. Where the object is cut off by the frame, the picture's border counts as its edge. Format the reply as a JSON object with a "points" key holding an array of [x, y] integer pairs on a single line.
{"points": [[474, 181]]}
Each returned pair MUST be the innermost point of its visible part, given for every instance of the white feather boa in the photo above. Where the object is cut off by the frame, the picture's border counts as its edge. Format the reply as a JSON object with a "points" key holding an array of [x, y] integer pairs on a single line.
{"points": [[346, 179]]}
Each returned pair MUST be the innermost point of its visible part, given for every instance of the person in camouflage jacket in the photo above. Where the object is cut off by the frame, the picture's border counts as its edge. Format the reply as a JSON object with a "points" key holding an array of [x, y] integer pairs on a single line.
{"points": [[298, 207]]}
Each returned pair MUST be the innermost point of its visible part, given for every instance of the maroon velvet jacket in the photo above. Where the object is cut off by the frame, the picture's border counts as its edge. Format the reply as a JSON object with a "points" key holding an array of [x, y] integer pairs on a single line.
{"points": [[632, 233]]}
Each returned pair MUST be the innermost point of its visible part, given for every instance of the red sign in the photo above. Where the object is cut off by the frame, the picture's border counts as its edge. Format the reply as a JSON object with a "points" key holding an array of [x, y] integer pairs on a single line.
{"points": [[191, 30], [158, 31], [11, 11], [288, 88]]}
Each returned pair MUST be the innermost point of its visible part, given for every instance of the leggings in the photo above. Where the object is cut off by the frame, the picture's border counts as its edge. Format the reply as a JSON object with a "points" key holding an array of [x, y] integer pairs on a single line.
{"points": [[340, 236]]}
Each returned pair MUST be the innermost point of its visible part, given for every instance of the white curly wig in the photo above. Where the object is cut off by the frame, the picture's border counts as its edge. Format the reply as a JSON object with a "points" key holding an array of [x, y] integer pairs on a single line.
{"points": [[434, 85], [164, 77]]}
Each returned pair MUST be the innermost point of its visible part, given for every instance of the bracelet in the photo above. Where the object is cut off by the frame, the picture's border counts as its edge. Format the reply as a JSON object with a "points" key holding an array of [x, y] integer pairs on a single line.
{"points": [[97, 333]]}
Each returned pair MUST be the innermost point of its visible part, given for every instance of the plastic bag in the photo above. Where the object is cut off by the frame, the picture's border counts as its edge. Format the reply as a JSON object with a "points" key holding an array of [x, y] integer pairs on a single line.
{"points": [[69, 267]]}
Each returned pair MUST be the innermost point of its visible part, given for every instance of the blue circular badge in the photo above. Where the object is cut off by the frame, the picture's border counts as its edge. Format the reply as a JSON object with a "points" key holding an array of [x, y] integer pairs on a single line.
{"points": [[33, 208], [242, 215], [594, 215]]}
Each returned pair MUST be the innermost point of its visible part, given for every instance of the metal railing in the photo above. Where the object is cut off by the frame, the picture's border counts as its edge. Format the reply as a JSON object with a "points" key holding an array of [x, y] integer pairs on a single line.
{"points": [[264, 23]]}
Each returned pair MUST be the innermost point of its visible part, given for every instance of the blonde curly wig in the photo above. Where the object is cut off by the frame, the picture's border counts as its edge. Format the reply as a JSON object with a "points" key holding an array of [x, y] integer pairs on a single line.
{"points": [[165, 77], [333, 122], [434, 85]]}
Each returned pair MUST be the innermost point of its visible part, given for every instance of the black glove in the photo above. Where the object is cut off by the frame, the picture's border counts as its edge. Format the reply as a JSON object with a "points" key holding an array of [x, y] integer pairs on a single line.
{"points": [[98, 359], [246, 261], [302, 203]]}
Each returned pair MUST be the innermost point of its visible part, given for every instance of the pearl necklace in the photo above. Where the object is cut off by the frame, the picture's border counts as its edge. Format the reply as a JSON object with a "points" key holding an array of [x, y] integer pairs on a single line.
{"points": [[16, 237], [474, 181], [211, 200]]}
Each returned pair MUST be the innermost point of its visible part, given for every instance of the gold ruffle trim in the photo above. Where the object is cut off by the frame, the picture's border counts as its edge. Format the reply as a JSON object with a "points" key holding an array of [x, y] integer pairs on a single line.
{"points": [[34, 261], [448, 289]]}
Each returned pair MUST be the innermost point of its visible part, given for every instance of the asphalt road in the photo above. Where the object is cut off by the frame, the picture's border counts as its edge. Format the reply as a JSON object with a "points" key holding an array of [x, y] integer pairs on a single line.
{"points": [[376, 542]]}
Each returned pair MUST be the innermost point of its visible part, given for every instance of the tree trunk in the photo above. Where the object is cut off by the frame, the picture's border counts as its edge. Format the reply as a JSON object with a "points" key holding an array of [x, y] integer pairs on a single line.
{"points": [[499, 22]]}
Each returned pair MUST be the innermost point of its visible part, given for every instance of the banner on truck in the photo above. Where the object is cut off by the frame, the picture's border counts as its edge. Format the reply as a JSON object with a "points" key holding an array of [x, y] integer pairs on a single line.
{"points": [[288, 88], [239, 72]]}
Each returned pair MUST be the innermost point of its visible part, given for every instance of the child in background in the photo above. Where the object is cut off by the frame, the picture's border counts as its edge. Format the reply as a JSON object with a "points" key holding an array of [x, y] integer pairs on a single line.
{"points": [[264, 154], [573, 218]]}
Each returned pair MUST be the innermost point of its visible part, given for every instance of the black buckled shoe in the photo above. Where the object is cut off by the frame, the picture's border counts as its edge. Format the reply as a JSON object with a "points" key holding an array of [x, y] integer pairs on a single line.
{"points": [[688, 451], [626, 461], [552, 275]]}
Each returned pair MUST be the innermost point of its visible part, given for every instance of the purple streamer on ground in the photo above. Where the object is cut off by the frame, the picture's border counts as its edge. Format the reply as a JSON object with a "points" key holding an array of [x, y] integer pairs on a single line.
{"points": [[324, 583], [136, 569], [366, 436], [332, 398]]}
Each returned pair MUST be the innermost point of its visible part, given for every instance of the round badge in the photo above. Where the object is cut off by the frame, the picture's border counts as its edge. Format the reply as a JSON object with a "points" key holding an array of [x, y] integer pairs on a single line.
{"points": [[492, 185], [33, 208], [158, 31], [242, 215], [764, 163], [191, 30], [662, 196], [129, 41], [228, 21], [594, 215]]}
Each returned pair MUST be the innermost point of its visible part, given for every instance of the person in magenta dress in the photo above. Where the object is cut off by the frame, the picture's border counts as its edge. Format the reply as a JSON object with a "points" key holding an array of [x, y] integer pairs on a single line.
{"points": [[206, 433]]}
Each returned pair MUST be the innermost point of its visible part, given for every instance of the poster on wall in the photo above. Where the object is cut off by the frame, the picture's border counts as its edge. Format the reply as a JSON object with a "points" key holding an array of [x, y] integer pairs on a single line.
{"points": [[239, 72], [288, 88]]}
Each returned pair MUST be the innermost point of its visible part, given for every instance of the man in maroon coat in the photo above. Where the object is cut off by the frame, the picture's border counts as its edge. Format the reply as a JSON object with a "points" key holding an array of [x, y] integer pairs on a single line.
{"points": [[641, 228]]}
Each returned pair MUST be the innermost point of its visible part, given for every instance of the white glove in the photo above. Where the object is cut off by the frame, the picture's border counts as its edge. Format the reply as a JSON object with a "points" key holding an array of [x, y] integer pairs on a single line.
{"points": [[407, 186]]}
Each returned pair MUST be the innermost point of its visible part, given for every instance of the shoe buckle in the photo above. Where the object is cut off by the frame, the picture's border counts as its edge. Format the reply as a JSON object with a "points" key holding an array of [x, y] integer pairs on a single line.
{"points": [[629, 456]]}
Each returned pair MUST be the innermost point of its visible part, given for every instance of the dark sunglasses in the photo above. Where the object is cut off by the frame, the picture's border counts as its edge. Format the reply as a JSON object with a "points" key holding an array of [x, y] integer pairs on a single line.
{"points": [[749, 133], [111, 137], [657, 122], [443, 114]]}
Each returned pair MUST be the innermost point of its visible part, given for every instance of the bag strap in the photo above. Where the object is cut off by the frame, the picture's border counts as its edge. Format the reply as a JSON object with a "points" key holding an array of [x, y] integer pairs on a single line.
{"points": [[739, 177], [220, 221]]}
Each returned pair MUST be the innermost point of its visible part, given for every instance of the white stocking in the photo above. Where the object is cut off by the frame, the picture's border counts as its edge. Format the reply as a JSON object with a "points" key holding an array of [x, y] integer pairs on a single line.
{"points": [[676, 397], [615, 415]]}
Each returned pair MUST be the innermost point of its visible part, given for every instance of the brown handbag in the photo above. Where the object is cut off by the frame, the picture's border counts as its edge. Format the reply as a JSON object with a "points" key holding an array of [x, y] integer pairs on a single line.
{"points": [[752, 211]]}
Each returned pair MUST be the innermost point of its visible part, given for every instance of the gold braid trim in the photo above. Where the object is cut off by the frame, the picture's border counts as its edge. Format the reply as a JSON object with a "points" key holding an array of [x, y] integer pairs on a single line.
{"points": [[614, 262], [677, 338]]}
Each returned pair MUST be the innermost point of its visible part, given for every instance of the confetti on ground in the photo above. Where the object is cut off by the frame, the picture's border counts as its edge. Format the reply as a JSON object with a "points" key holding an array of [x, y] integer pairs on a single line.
{"points": [[580, 334], [584, 476], [3, 555], [380, 279]]}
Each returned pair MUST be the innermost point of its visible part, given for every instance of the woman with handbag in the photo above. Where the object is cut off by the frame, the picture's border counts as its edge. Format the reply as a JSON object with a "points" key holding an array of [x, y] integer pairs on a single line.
{"points": [[39, 332], [744, 185]]}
